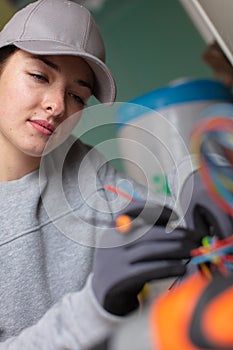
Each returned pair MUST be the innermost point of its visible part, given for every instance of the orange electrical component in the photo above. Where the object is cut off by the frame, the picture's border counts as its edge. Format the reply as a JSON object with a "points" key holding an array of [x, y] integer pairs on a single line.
{"points": [[123, 223], [196, 315]]}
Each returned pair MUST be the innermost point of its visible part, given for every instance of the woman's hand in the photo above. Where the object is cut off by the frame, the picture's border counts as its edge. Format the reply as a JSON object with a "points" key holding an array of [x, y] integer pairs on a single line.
{"points": [[145, 253]]}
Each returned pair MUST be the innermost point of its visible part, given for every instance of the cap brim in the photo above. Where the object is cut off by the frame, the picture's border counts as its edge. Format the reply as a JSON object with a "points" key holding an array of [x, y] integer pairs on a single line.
{"points": [[105, 87]]}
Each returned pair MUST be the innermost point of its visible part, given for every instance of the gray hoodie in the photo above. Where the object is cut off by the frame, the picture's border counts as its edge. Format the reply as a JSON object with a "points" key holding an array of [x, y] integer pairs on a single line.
{"points": [[47, 235]]}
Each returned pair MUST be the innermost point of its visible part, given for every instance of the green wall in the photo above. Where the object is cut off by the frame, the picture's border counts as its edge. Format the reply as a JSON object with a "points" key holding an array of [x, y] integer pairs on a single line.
{"points": [[149, 43]]}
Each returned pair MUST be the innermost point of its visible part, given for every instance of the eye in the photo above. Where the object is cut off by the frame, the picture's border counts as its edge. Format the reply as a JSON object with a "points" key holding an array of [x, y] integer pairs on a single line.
{"points": [[77, 98], [38, 77]]}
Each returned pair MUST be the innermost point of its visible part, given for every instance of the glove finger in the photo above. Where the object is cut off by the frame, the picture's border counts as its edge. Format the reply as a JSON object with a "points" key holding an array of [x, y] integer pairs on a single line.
{"points": [[158, 234], [122, 295], [138, 275], [212, 221], [151, 213], [141, 273], [200, 212], [152, 251]]}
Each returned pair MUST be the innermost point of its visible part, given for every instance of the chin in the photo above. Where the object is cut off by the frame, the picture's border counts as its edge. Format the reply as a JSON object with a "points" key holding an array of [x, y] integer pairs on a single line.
{"points": [[33, 154], [35, 151]]}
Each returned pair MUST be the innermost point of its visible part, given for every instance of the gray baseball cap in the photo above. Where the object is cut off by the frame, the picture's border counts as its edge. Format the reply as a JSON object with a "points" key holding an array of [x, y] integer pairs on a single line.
{"points": [[62, 27]]}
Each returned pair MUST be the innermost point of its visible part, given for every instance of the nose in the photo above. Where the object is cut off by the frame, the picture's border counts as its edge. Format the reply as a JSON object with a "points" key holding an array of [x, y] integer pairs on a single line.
{"points": [[54, 103]]}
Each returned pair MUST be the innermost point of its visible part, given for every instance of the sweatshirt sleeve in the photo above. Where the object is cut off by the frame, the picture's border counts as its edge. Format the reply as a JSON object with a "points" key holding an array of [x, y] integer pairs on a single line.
{"points": [[75, 323]]}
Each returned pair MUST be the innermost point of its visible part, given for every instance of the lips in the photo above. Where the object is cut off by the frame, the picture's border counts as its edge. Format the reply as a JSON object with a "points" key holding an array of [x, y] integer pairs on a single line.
{"points": [[42, 126]]}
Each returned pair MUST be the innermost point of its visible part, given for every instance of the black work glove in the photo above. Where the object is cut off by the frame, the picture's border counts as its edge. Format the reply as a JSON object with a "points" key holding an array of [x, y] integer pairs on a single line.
{"points": [[146, 253], [200, 211]]}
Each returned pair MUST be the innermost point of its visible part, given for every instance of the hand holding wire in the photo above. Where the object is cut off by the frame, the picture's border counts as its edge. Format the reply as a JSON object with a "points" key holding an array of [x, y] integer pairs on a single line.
{"points": [[147, 252]]}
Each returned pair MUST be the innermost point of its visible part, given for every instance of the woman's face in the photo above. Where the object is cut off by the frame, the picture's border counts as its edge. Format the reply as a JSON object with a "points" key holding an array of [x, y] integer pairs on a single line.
{"points": [[37, 94]]}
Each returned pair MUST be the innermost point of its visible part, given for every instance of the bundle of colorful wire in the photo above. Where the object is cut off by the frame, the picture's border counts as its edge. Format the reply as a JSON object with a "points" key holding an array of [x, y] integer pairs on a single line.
{"points": [[212, 143], [214, 254]]}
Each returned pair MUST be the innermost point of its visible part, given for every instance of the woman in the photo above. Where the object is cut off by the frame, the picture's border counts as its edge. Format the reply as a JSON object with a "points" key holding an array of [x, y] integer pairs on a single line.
{"points": [[38, 93], [53, 197]]}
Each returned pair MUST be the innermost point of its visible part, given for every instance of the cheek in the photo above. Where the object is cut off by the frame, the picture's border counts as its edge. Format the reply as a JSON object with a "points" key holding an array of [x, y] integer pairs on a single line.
{"points": [[16, 96], [16, 106]]}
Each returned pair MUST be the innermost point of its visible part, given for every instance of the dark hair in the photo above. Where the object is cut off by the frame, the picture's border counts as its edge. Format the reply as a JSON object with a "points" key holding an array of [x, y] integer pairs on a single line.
{"points": [[5, 53]]}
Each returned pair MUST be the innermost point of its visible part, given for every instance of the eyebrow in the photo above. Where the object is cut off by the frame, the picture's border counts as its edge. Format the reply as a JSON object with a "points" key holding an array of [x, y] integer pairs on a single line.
{"points": [[57, 68]]}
